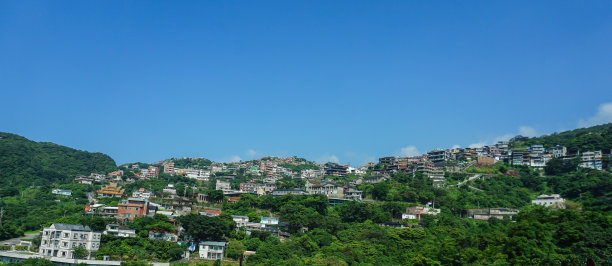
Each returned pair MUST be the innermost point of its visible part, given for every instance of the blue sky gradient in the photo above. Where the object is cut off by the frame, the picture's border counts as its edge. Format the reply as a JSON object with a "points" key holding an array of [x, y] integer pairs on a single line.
{"points": [[326, 80]]}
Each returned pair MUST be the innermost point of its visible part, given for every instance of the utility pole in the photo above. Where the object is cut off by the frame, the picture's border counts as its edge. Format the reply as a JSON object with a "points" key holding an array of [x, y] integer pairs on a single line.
{"points": [[1, 215]]}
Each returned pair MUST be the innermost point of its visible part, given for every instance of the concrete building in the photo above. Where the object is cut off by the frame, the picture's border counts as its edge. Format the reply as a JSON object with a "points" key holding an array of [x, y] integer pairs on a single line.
{"points": [[59, 240], [102, 210], [248, 187], [553, 200], [212, 250], [283, 192], [558, 151], [142, 194], [223, 186], [326, 188], [61, 192], [169, 168], [268, 221], [438, 156], [116, 230], [520, 157], [335, 169], [161, 235], [352, 194], [132, 208], [240, 220], [592, 159], [417, 212], [486, 214]]}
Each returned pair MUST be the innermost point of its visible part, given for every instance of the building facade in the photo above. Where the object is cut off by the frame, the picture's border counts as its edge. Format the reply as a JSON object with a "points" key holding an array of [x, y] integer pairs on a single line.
{"points": [[59, 240], [212, 250]]}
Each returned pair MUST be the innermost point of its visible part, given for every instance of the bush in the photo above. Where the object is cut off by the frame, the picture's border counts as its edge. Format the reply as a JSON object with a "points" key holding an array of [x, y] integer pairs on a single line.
{"points": [[21, 247]]}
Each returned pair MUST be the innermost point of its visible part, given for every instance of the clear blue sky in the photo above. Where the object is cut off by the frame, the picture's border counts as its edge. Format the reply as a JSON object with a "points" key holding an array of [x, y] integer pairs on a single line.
{"points": [[351, 80]]}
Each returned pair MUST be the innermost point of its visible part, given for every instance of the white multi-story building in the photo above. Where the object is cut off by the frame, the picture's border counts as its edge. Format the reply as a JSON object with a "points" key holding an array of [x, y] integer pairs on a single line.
{"points": [[240, 220], [223, 185], [553, 200], [59, 240], [592, 159], [327, 188], [558, 151], [212, 250]]}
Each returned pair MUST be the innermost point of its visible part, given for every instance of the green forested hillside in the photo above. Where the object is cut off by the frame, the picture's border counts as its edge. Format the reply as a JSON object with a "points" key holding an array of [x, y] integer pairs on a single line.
{"points": [[582, 139], [25, 163]]}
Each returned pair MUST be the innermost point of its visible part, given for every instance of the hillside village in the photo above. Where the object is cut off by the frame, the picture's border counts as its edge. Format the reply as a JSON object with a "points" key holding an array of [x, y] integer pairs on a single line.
{"points": [[165, 197]]}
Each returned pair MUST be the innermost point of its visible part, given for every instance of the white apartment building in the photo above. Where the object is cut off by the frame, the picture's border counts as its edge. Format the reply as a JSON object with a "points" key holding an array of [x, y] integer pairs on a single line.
{"points": [[59, 240]]}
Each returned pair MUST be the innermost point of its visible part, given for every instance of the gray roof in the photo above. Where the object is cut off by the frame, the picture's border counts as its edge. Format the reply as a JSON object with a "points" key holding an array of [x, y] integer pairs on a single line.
{"points": [[72, 227], [212, 243]]}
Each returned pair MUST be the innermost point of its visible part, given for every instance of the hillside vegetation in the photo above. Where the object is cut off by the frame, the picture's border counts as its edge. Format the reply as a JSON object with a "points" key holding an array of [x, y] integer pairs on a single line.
{"points": [[25, 163], [582, 139]]}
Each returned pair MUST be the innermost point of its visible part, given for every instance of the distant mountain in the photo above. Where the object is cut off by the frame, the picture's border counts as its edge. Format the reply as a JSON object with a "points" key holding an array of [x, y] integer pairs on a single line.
{"points": [[24, 162], [582, 139]]}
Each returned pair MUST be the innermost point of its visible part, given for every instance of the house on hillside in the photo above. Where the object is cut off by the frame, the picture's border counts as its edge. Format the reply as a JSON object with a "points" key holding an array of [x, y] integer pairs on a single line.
{"points": [[554, 201], [212, 250], [59, 240]]}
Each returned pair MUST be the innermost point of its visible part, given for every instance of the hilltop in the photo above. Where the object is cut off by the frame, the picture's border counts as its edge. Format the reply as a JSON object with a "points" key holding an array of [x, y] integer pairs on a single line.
{"points": [[582, 139], [24, 162]]}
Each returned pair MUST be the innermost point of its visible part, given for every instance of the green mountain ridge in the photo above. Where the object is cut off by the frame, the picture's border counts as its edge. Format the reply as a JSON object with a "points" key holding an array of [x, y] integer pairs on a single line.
{"points": [[582, 139], [24, 162]]}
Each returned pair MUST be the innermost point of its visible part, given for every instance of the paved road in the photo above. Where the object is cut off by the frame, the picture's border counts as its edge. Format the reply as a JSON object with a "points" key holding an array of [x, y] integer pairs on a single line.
{"points": [[15, 241]]}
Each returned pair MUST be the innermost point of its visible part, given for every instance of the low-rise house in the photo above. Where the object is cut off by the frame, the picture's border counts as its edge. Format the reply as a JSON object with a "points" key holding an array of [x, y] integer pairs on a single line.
{"points": [[416, 212], [163, 235], [240, 220], [170, 190], [102, 210], [374, 179], [210, 213], [486, 214], [212, 250], [142, 194], [223, 186], [116, 230], [59, 240], [61, 192], [83, 180], [553, 200], [283, 192], [268, 221], [352, 194]]}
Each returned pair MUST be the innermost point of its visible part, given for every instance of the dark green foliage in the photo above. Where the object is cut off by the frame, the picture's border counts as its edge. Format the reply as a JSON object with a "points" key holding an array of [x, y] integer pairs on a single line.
{"points": [[202, 228], [79, 252], [582, 139], [559, 166], [119, 248], [34, 262], [25, 163], [539, 236], [195, 163]]}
